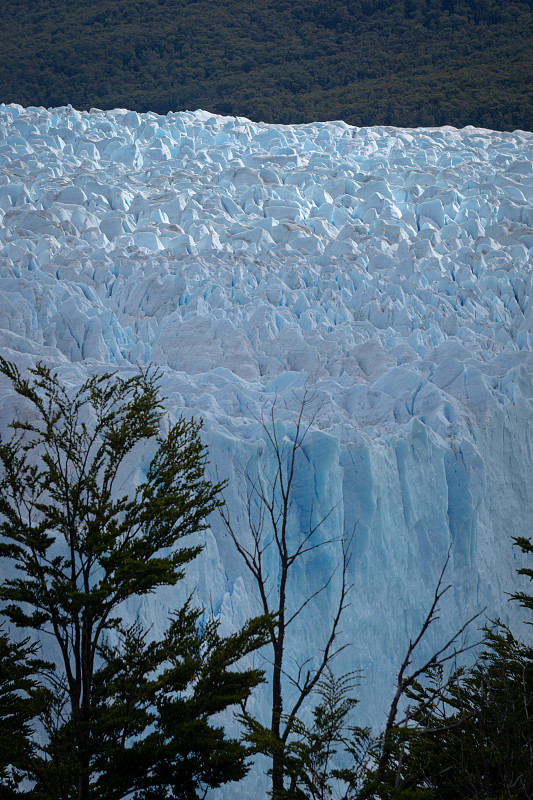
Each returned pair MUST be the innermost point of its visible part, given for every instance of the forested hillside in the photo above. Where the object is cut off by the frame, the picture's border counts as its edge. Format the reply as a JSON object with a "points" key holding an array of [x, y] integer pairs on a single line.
{"points": [[400, 62]]}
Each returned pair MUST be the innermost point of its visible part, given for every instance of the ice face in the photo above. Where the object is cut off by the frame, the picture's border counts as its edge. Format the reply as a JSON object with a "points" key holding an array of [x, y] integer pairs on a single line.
{"points": [[386, 271]]}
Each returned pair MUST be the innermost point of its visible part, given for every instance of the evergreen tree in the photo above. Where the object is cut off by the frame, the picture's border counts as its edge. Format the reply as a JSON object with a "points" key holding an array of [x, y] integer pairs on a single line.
{"points": [[85, 537], [18, 708], [472, 738], [525, 600], [151, 706]]}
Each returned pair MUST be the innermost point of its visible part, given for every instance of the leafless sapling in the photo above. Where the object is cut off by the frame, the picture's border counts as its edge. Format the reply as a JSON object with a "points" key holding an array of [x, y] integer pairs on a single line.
{"points": [[446, 654], [269, 496]]}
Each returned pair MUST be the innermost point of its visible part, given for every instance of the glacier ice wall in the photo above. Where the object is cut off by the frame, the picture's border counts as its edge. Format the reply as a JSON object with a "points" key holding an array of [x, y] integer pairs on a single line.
{"points": [[386, 271]]}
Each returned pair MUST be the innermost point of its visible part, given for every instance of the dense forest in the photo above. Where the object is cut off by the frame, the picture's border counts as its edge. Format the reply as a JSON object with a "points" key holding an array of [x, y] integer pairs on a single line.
{"points": [[369, 62]]}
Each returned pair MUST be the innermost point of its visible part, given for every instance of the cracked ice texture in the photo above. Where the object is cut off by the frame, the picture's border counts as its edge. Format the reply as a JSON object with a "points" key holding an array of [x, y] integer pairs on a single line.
{"points": [[388, 271]]}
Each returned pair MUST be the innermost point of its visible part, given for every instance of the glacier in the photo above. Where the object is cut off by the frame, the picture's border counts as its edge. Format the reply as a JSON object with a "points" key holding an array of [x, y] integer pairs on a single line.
{"points": [[387, 272]]}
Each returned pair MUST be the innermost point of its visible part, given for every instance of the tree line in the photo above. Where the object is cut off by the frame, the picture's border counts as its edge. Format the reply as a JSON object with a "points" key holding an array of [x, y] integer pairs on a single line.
{"points": [[378, 62], [124, 713]]}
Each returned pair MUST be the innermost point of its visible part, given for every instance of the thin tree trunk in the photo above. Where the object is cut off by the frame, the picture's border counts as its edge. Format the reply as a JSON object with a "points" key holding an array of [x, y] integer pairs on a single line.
{"points": [[277, 689], [83, 787]]}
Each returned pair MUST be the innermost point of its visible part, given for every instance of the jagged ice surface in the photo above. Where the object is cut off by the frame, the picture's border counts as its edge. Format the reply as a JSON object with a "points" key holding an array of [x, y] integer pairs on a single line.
{"points": [[386, 270]]}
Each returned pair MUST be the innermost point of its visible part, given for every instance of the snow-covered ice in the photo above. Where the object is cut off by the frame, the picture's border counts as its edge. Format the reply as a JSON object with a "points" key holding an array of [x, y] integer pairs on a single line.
{"points": [[386, 270]]}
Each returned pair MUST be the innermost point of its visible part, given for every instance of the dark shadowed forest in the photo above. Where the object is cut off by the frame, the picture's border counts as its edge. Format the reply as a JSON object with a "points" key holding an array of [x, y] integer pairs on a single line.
{"points": [[369, 62]]}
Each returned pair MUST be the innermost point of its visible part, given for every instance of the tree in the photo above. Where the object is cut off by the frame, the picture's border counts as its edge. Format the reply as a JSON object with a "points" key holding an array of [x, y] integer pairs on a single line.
{"points": [[374, 766], [268, 504], [84, 539], [472, 737], [388, 768], [18, 709], [477, 741], [310, 755], [152, 704], [525, 600]]}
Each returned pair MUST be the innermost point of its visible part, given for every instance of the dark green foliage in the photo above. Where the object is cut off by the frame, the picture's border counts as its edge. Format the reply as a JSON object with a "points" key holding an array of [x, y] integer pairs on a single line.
{"points": [[18, 707], [472, 736], [150, 714], [399, 62], [465, 735], [525, 600], [85, 537], [309, 758], [477, 741]]}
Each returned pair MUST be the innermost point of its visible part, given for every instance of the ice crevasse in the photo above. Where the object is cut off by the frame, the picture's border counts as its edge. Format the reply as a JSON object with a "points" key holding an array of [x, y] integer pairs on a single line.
{"points": [[386, 271]]}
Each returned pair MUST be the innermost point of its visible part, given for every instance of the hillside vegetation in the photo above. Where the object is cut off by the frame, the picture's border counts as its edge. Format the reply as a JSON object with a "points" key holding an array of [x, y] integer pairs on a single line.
{"points": [[399, 62]]}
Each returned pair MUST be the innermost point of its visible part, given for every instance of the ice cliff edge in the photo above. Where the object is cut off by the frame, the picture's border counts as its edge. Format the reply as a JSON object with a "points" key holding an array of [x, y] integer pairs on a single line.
{"points": [[386, 270]]}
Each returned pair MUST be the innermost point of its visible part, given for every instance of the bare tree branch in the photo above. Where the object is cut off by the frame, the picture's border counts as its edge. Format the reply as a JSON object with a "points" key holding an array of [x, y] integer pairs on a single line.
{"points": [[441, 656], [268, 499]]}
